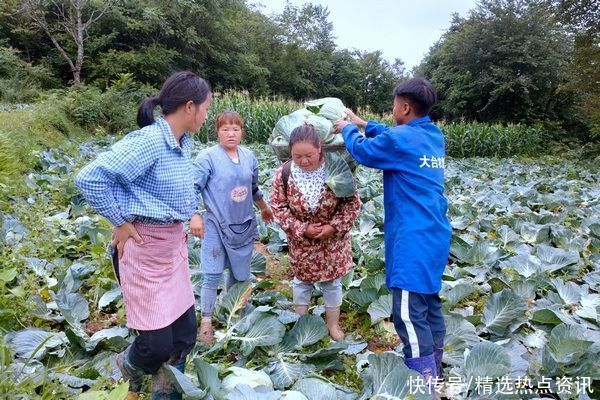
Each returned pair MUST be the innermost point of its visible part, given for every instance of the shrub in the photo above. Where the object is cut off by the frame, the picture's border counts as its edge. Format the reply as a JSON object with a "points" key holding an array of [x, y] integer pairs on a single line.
{"points": [[111, 111], [20, 81]]}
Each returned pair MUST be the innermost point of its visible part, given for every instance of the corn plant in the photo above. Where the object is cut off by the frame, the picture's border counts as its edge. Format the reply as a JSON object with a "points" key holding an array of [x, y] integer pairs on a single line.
{"points": [[463, 139], [260, 114], [472, 139]]}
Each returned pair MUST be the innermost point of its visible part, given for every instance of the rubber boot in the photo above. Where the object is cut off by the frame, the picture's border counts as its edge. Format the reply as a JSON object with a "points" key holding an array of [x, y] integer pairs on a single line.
{"points": [[426, 367], [301, 310], [332, 314], [438, 353], [162, 389], [131, 373]]}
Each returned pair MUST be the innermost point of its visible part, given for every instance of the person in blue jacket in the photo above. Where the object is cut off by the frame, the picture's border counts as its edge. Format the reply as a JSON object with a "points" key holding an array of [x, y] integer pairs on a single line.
{"points": [[417, 231]]}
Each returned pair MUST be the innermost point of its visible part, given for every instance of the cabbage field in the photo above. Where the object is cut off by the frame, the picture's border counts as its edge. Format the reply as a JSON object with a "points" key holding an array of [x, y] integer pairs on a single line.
{"points": [[521, 294]]}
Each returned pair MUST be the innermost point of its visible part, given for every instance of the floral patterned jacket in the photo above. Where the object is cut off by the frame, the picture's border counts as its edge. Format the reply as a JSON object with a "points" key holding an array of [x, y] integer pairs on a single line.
{"points": [[315, 260]]}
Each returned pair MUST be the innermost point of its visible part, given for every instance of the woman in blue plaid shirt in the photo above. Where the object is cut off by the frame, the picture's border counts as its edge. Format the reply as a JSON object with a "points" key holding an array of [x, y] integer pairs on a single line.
{"points": [[143, 184]]}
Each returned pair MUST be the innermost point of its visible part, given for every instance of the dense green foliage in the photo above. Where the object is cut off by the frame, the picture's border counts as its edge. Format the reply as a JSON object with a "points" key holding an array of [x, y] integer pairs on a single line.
{"points": [[102, 111], [229, 42], [520, 293], [509, 61], [523, 271], [20, 81], [65, 113], [582, 18], [514, 61], [24, 131]]}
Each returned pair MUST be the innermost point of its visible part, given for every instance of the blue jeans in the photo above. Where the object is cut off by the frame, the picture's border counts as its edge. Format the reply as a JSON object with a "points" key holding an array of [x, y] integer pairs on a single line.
{"points": [[419, 321], [208, 291]]}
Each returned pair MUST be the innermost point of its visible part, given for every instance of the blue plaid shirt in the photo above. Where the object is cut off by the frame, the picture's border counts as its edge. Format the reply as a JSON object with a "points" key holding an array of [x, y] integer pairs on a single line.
{"points": [[145, 175]]}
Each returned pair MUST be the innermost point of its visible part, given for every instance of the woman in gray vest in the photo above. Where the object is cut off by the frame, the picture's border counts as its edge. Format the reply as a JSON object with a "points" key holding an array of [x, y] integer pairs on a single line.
{"points": [[226, 175]]}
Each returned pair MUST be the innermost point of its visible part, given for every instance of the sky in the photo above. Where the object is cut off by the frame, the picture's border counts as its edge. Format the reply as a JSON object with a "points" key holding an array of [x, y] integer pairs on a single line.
{"points": [[404, 29]]}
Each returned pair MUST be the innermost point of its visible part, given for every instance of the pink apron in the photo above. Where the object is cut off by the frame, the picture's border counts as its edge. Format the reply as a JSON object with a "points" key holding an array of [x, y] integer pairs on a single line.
{"points": [[155, 277]]}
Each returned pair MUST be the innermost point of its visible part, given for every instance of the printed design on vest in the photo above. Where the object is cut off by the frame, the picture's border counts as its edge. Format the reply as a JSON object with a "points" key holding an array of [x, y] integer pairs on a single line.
{"points": [[239, 194]]}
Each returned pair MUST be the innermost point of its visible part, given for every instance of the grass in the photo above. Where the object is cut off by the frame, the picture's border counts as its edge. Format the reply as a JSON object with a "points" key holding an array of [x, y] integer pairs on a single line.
{"points": [[378, 338], [348, 376], [27, 130]]}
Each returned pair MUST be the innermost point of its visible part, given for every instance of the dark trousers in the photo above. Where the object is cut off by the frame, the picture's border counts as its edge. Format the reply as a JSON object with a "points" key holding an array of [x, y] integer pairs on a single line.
{"points": [[171, 344], [419, 322]]}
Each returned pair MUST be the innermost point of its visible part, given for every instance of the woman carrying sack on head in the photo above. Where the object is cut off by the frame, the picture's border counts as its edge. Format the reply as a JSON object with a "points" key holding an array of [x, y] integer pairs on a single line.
{"points": [[317, 224], [144, 186]]}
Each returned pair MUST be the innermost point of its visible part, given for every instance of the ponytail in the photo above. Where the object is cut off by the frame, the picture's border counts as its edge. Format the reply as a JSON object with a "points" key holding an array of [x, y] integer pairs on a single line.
{"points": [[177, 90], [145, 115]]}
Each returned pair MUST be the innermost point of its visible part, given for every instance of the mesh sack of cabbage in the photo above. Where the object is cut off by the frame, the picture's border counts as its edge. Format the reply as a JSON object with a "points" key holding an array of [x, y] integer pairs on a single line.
{"points": [[321, 113]]}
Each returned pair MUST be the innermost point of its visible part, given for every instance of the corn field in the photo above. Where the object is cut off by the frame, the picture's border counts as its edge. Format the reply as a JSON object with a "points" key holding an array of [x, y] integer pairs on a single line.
{"points": [[260, 115], [463, 139], [18, 128], [472, 139]]}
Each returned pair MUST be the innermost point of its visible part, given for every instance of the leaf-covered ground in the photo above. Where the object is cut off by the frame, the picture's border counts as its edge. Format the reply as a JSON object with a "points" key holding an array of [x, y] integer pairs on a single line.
{"points": [[521, 294]]}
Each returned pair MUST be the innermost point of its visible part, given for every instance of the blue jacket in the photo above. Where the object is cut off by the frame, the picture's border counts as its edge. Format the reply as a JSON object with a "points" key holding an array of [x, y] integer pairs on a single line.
{"points": [[417, 232]]}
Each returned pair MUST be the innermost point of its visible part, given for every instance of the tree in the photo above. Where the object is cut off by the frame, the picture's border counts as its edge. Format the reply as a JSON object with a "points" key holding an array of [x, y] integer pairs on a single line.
{"points": [[308, 26], [302, 66], [229, 42], [377, 80], [398, 69], [582, 17], [506, 62], [19, 80], [345, 78], [73, 17]]}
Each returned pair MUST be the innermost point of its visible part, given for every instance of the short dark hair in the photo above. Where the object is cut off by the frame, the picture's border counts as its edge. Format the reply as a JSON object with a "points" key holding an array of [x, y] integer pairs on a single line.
{"points": [[178, 89], [305, 133], [419, 92]]}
